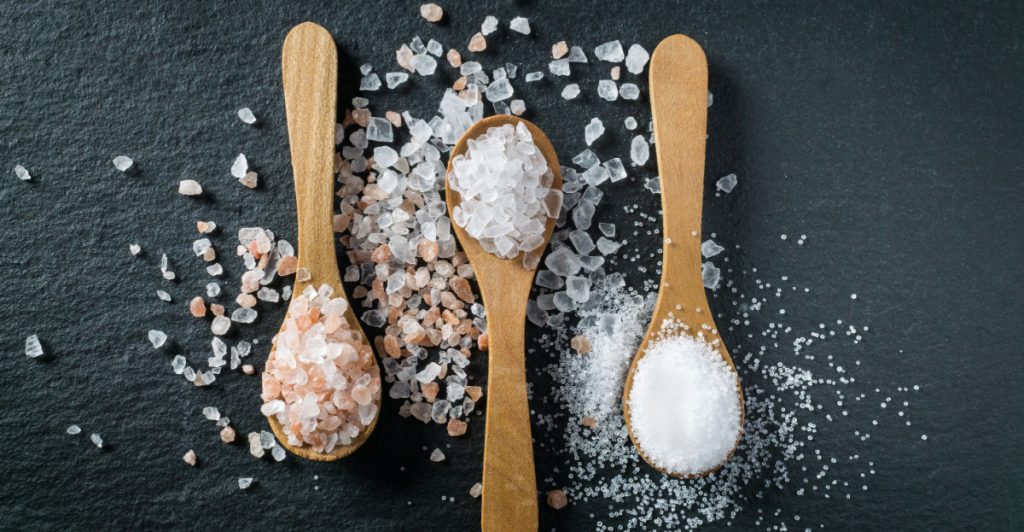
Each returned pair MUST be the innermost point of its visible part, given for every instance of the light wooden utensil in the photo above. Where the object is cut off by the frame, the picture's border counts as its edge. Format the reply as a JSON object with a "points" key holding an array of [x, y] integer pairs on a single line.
{"points": [[679, 105], [309, 68], [509, 483]]}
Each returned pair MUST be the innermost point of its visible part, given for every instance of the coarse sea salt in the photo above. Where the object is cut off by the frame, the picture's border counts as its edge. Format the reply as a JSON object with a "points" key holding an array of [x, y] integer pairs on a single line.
{"points": [[504, 184], [22, 173], [684, 405], [123, 163], [33, 349], [246, 116]]}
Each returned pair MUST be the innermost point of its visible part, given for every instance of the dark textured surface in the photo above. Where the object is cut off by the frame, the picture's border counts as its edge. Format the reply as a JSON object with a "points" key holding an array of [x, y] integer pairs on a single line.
{"points": [[889, 133]]}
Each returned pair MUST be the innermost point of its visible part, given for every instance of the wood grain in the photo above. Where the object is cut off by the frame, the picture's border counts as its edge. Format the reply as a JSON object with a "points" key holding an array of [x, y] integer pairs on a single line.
{"points": [[309, 69], [509, 480], [679, 102]]}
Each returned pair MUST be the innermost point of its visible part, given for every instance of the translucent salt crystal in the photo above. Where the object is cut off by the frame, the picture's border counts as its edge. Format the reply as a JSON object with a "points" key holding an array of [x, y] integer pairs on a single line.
{"points": [[244, 482], [639, 150], [564, 303], [163, 295], [435, 48], [431, 12], [616, 171], [489, 25], [559, 67], [243, 315], [22, 173], [607, 229], [278, 453], [608, 90], [385, 156], [595, 175], [654, 185], [97, 440], [521, 25], [709, 248], [576, 55], [583, 214], [123, 163], [499, 90], [189, 187], [570, 91], [74, 429], [593, 130], [395, 79], [135, 249], [636, 59], [379, 130], [267, 440], [33, 348], [476, 489], [563, 262], [727, 183], [245, 115], [429, 372], [268, 294], [578, 288], [630, 123], [220, 325], [178, 364], [629, 91], [370, 82], [240, 166], [711, 98], [606, 246], [585, 159], [211, 413], [582, 242], [610, 51], [200, 246], [534, 76], [437, 456], [549, 279], [710, 274], [249, 180], [212, 289], [374, 318], [157, 338], [518, 107]]}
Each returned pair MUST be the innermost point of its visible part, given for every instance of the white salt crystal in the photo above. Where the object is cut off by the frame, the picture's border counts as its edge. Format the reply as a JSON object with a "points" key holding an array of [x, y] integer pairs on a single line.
{"points": [[727, 183], [379, 130], [211, 413], [163, 295], [370, 82], [709, 248], [534, 76], [499, 90], [710, 274], [385, 156], [74, 429], [243, 315], [240, 166], [576, 55], [423, 64], [521, 25], [606, 246], [220, 325], [577, 288], [585, 159], [610, 51], [123, 163], [249, 179], [636, 59], [582, 242], [593, 130], [33, 348], [278, 453], [639, 150], [608, 90], [629, 91], [134, 249], [616, 171], [476, 490], [395, 79], [22, 173], [245, 115], [489, 25], [157, 338], [518, 107], [571, 91], [189, 187], [559, 67], [437, 456], [366, 68], [435, 48], [244, 482], [97, 440], [178, 364], [684, 405], [630, 123], [654, 185]]}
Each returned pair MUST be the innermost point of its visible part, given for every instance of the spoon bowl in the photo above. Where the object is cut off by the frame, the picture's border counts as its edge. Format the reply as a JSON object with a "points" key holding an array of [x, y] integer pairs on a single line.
{"points": [[509, 480], [679, 88], [309, 70]]}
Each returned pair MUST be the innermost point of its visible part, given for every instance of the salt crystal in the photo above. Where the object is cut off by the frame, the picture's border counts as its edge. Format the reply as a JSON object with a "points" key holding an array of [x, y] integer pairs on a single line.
{"points": [[616, 171], [499, 90], [212, 289], [135, 249], [220, 325], [370, 82], [727, 183], [639, 150], [636, 59], [607, 229], [395, 79], [245, 115], [711, 275], [178, 364], [477, 43], [240, 166], [606, 246], [578, 288], [570, 91], [475, 490], [157, 338], [163, 295], [243, 315], [582, 241], [557, 500], [385, 156], [654, 185], [576, 55], [607, 90], [278, 453], [489, 25], [703, 426], [97, 440], [559, 67], [586, 159], [630, 123], [593, 130], [629, 91], [33, 348], [190, 457], [431, 12], [559, 49], [22, 173], [123, 163], [73, 430], [521, 25], [518, 107], [189, 187], [211, 413], [709, 248], [379, 130], [244, 482], [610, 51], [436, 456]]}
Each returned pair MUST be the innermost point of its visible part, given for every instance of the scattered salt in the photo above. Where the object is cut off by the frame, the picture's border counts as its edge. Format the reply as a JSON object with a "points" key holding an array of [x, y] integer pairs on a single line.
{"points": [[22, 173], [245, 115], [610, 51], [636, 59], [33, 348], [189, 187], [123, 163], [521, 25], [727, 183]]}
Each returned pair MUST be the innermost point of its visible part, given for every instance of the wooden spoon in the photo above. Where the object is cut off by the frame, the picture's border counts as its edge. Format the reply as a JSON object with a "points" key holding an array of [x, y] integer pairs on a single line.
{"points": [[509, 483], [679, 103], [309, 67]]}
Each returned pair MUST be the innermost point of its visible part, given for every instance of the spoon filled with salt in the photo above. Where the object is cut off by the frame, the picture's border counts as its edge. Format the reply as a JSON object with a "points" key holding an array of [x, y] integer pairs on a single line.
{"points": [[321, 384], [682, 398], [504, 194]]}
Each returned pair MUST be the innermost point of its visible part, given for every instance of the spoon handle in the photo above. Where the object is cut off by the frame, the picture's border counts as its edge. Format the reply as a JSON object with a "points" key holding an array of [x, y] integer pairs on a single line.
{"points": [[309, 69], [509, 481]]}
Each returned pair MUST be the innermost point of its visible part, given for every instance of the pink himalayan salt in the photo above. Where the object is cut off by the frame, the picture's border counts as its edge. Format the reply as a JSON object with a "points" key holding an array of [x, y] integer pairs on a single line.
{"points": [[197, 307], [321, 381], [431, 12], [477, 43], [559, 49], [557, 499], [227, 434]]}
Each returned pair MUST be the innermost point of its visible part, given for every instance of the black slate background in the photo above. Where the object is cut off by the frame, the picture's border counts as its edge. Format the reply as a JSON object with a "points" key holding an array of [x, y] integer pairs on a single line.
{"points": [[890, 133]]}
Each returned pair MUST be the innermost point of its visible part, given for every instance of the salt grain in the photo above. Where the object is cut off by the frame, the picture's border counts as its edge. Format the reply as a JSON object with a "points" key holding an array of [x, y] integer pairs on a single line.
{"points": [[489, 25], [123, 163], [97, 440], [431, 12], [240, 166], [22, 173], [570, 91], [157, 338], [74, 430], [610, 51], [593, 130], [33, 348], [189, 187], [727, 183], [245, 115], [521, 25], [636, 59]]}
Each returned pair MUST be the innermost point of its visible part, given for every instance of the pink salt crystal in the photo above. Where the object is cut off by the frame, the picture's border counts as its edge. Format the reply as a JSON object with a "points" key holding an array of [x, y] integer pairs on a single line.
{"points": [[249, 180], [427, 250], [559, 49], [395, 119], [361, 117], [217, 309], [248, 369], [460, 83], [431, 12], [392, 347], [245, 300], [462, 289], [404, 57], [251, 280], [227, 434], [287, 265], [454, 58], [588, 421], [341, 222], [477, 43], [429, 391], [580, 344], [302, 274], [209, 254], [190, 458], [474, 392], [557, 499], [456, 427], [197, 307], [616, 73], [483, 342], [381, 254]]}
